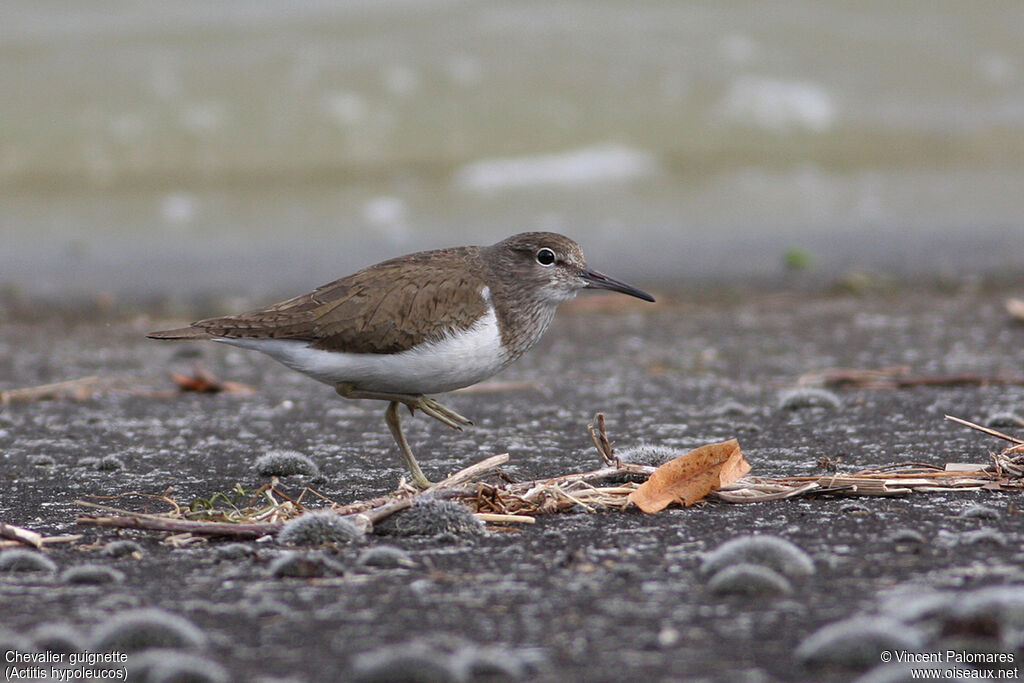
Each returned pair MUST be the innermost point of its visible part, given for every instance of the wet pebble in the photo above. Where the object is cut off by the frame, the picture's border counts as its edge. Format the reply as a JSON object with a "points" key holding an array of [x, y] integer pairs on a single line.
{"points": [[386, 557], [906, 540], [121, 548], [174, 666], [652, 456], [109, 463], [21, 560], [475, 663], [982, 537], [141, 629], [994, 612], [91, 574], [304, 566], [749, 579], [405, 665], [808, 397], [1004, 419], [15, 642], [979, 512], [732, 409], [281, 463], [855, 643], [58, 637], [897, 672], [234, 551], [320, 527], [855, 509], [773, 552], [433, 518]]}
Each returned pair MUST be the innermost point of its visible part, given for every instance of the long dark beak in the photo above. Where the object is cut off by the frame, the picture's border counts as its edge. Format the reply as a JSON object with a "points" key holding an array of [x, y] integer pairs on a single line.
{"points": [[596, 280]]}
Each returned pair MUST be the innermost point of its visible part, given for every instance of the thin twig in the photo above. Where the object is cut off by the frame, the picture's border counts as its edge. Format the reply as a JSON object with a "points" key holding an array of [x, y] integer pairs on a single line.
{"points": [[493, 518], [152, 522], [985, 430], [375, 515], [25, 536], [45, 540], [77, 389], [601, 442]]}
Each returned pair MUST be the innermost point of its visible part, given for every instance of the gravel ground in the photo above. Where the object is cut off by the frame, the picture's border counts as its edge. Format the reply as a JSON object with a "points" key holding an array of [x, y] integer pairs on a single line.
{"points": [[577, 596]]}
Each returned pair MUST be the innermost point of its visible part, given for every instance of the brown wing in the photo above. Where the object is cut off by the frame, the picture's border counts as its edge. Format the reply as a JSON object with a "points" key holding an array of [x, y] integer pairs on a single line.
{"points": [[385, 308]]}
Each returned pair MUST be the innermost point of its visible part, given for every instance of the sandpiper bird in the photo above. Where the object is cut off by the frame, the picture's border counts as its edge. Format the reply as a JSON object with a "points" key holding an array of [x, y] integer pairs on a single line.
{"points": [[420, 324]]}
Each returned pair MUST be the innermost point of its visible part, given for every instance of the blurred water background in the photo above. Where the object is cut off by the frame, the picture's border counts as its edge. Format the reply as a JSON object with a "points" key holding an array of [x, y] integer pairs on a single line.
{"points": [[261, 147]]}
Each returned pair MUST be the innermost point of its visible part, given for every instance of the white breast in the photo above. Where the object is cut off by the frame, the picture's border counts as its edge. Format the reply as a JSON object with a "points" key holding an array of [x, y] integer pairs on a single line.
{"points": [[457, 360]]}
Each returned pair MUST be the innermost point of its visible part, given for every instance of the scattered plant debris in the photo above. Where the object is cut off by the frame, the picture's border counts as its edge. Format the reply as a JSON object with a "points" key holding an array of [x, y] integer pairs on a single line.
{"points": [[691, 476], [203, 381], [717, 471], [75, 389]]}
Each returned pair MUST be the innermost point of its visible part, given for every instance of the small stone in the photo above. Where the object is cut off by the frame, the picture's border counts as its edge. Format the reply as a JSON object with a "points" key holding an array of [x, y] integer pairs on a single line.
{"points": [[732, 409], [906, 539], [121, 548], [321, 527], [109, 463], [855, 509], [303, 566], [41, 460], [668, 636], [907, 672], [749, 579], [652, 456], [386, 557], [14, 642], [58, 637], [990, 536], [432, 518], [808, 397], [404, 665], [994, 612], [476, 663], [285, 464], [977, 511], [1007, 419], [91, 574], [855, 643], [174, 666], [234, 551], [768, 551], [141, 629], [21, 560]]}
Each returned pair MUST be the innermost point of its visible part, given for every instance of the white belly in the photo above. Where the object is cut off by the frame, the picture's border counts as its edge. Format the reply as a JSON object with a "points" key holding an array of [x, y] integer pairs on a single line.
{"points": [[458, 360]]}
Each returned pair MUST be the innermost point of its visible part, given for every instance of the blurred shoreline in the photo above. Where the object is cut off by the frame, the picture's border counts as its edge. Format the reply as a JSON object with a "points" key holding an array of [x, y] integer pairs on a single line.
{"points": [[187, 151]]}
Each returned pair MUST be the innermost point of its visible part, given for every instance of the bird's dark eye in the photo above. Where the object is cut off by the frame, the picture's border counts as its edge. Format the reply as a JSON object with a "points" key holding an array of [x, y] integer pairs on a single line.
{"points": [[545, 257]]}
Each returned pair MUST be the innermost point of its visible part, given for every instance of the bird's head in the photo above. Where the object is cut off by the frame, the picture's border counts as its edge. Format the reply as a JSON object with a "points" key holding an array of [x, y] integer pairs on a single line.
{"points": [[555, 265]]}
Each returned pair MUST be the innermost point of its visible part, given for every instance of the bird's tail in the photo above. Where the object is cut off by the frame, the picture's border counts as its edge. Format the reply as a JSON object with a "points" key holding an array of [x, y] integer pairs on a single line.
{"points": [[182, 333]]}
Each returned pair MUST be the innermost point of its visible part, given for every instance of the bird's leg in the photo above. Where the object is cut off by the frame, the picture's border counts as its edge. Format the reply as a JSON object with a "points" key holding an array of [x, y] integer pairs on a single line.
{"points": [[392, 417], [428, 405]]}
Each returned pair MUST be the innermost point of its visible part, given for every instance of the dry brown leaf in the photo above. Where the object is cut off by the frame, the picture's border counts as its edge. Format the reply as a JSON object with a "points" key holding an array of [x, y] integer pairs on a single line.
{"points": [[692, 476], [205, 382]]}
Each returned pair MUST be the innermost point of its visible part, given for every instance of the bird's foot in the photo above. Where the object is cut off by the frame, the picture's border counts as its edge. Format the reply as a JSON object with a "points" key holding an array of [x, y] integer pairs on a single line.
{"points": [[437, 411], [429, 406]]}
